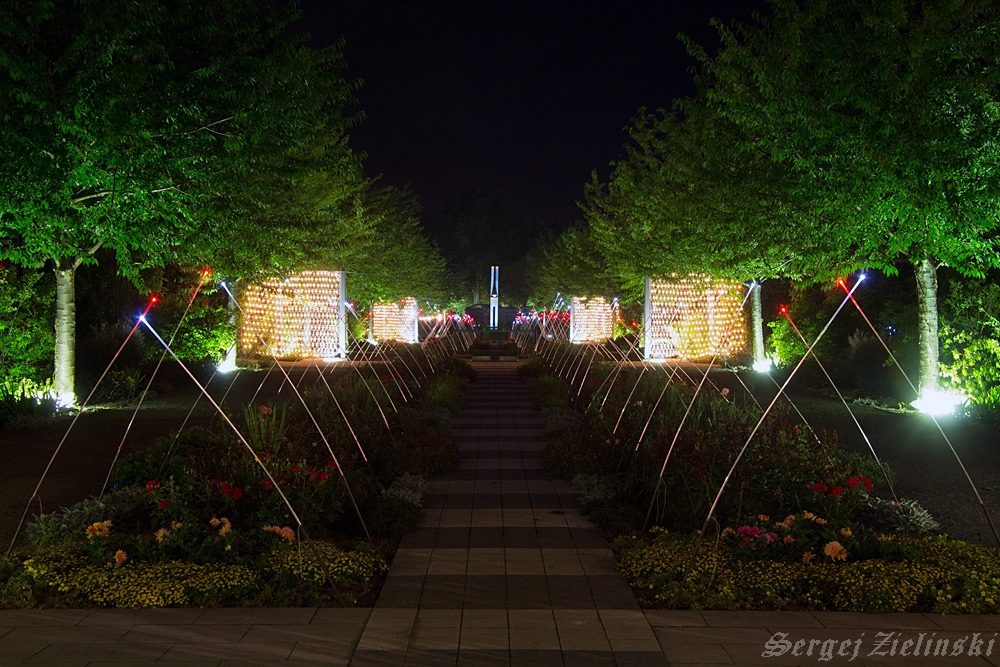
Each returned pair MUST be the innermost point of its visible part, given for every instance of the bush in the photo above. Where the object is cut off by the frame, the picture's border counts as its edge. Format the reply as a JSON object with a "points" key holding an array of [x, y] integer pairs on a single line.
{"points": [[27, 338]]}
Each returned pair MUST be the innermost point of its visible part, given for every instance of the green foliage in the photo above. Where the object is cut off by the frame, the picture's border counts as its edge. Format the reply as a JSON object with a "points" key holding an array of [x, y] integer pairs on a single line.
{"points": [[445, 392], [120, 385], [26, 303], [316, 560], [391, 517], [208, 329], [25, 402], [970, 340], [906, 516], [411, 488], [125, 507], [550, 391]]}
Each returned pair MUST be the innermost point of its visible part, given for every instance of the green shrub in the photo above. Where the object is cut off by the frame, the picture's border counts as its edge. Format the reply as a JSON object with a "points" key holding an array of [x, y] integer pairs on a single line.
{"points": [[120, 385], [445, 392], [550, 391], [313, 561]]}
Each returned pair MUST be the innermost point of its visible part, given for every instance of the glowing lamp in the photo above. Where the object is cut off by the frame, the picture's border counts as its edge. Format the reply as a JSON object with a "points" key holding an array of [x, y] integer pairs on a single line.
{"points": [[228, 364], [762, 365], [938, 401]]}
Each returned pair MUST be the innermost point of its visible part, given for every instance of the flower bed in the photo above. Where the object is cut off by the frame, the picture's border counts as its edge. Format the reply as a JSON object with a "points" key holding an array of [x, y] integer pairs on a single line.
{"points": [[801, 523], [198, 519]]}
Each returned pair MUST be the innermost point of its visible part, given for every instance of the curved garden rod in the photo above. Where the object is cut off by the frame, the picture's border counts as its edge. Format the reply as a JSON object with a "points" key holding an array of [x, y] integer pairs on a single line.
{"points": [[687, 411], [128, 427], [739, 456], [979, 498], [344, 416], [885, 473], [48, 466], [256, 458], [309, 412]]}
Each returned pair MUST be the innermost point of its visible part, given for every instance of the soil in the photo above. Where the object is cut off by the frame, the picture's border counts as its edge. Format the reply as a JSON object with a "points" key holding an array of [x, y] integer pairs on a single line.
{"points": [[924, 465]]}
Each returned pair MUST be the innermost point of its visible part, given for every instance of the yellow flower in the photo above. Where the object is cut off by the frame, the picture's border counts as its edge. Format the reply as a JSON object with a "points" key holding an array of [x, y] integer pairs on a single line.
{"points": [[120, 557], [99, 529], [835, 550], [176, 525], [161, 534], [846, 532], [226, 527], [763, 517], [808, 515]]}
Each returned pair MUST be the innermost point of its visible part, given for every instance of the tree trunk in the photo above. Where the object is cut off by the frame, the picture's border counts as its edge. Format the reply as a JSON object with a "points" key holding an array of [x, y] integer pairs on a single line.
{"points": [[758, 323], [65, 352], [927, 317]]}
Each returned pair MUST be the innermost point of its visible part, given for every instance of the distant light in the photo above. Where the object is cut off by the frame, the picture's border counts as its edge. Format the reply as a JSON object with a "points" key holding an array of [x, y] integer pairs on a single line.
{"points": [[938, 402], [330, 360], [762, 366]]}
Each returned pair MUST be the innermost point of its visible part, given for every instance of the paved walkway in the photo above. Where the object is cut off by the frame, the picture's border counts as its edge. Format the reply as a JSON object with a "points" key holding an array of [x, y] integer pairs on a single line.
{"points": [[503, 570]]}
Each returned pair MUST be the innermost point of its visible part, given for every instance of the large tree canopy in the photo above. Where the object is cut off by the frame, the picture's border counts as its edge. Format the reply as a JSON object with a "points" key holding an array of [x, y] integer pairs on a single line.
{"points": [[195, 130], [830, 136]]}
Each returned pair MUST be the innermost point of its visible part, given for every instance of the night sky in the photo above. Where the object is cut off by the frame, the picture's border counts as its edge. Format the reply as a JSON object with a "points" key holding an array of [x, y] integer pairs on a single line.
{"points": [[522, 98]]}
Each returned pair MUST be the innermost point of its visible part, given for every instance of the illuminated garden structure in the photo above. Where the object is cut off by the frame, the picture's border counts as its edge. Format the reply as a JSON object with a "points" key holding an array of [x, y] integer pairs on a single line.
{"points": [[693, 317], [300, 316], [395, 321], [591, 320]]}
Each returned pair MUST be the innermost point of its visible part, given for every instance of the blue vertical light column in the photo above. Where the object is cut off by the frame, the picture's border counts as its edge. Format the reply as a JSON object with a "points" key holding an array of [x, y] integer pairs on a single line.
{"points": [[494, 297]]}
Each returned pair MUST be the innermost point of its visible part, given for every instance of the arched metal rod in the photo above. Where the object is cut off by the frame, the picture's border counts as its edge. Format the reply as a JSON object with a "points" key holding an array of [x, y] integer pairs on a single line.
{"points": [[739, 456], [687, 411], [256, 458], [968, 478], [309, 412], [128, 427], [58, 448], [854, 418]]}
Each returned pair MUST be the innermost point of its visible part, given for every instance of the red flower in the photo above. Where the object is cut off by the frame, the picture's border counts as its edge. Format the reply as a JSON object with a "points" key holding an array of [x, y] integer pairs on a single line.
{"points": [[820, 487], [852, 482], [332, 464], [295, 468], [322, 476], [837, 490], [264, 410], [867, 482], [268, 484], [164, 504], [152, 485], [236, 493]]}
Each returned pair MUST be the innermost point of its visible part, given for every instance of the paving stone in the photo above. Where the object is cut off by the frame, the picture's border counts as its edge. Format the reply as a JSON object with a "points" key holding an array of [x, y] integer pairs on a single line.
{"points": [[258, 616], [131, 617]]}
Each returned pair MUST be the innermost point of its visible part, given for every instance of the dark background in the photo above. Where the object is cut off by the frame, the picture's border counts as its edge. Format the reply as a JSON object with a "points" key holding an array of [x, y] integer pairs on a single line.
{"points": [[523, 99]]}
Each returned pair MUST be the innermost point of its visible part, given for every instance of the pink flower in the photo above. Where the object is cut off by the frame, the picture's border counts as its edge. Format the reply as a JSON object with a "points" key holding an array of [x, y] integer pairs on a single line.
{"points": [[264, 410]]}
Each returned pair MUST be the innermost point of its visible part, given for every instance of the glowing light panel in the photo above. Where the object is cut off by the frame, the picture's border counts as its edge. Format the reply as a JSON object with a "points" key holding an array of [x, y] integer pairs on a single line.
{"points": [[591, 320], [693, 317], [395, 321], [300, 316]]}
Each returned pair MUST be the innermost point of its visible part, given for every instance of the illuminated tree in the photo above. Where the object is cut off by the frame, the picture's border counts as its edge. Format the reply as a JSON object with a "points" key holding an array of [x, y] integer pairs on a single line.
{"points": [[164, 132], [884, 113]]}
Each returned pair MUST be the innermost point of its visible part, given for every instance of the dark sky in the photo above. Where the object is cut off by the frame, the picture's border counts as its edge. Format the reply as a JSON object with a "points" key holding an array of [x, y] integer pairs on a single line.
{"points": [[524, 98]]}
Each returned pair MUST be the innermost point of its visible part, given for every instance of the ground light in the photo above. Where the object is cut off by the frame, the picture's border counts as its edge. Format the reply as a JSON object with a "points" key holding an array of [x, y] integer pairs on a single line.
{"points": [[938, 402], [228, 364], [763, 366]]}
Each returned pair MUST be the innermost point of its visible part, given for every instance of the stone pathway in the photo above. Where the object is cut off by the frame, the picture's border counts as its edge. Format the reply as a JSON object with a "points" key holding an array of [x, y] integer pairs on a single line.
{"points": [[504, 569]]}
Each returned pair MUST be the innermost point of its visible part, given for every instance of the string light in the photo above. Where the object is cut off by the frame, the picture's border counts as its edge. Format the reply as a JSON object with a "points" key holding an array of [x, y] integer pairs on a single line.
{"points": [[593, 319], [295, 317], [395, 321], [694, 317]]}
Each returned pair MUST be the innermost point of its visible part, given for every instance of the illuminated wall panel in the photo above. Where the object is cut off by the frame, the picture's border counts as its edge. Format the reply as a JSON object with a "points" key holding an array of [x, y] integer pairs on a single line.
{"points": [[693, 317], [300, 316], [396, 321], [590, 320]]}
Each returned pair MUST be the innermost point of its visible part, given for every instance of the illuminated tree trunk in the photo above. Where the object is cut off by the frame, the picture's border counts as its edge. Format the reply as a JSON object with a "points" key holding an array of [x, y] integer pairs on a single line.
{"points": [[927, 322], [758, 323], [65, 352]]}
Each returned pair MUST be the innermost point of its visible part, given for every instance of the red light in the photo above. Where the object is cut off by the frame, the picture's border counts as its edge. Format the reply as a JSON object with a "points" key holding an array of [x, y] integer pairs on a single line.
{"points": [[840, 281], [154, 299], [783, 309], [206, 272]]}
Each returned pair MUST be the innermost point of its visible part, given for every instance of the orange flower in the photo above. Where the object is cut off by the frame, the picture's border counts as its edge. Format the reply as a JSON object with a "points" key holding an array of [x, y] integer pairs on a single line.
{"points": [[283, 531], [120, 557], [808, 515], [835, 550], [846, 532], [789, 539], [161, 534], [99, 529], [808, 557], [763, 517], [820, 521]]}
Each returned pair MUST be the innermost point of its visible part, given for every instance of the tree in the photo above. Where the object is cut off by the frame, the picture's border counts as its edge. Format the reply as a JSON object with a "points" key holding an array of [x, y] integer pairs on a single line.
{"points": [[478, 230], [164, 132], [885, 115]]}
